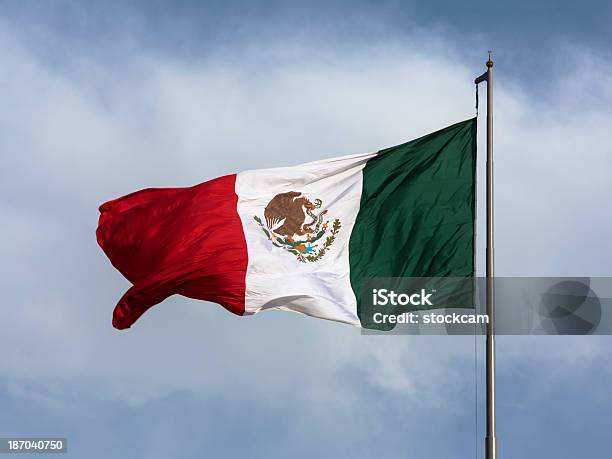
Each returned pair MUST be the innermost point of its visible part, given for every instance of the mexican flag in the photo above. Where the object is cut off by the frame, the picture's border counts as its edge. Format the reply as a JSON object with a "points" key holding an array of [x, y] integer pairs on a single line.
{"points": [[300, 238]]}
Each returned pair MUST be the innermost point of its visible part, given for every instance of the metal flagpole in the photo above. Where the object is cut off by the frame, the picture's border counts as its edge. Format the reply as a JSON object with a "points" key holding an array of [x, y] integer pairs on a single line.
{"points": [[490, 443]]}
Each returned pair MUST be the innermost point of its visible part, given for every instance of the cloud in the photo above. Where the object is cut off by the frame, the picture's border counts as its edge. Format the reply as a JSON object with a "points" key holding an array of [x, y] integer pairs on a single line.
{"points": [[75, 139]]}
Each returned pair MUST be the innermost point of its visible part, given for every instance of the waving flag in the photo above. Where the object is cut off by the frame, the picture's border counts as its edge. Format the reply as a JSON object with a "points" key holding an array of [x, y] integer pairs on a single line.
{"points": [[299, 238]]}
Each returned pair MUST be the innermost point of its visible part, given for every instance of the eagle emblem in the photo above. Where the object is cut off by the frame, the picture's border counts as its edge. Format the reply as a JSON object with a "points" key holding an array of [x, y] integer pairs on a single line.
{"points": [[296, 224]]}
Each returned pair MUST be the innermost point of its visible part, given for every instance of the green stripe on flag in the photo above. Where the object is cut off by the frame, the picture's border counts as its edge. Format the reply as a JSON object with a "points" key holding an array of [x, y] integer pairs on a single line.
{"points": [[417, 211]]}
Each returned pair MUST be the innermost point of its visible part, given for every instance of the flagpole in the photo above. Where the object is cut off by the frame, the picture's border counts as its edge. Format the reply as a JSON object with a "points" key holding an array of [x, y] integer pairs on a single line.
{"points": [[490, 441]]}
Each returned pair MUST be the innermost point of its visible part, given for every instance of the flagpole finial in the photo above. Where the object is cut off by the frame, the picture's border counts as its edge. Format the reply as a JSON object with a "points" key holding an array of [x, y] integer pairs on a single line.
{"points": [[489, 62]]}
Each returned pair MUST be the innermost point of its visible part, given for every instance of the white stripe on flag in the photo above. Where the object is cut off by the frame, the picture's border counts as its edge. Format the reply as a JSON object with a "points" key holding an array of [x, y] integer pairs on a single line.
{"points": [[275, 278]]}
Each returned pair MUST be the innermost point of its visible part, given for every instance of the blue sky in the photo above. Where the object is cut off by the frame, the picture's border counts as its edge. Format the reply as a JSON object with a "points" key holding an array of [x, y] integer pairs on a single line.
{"points": [[531, 36], [104, 98]]}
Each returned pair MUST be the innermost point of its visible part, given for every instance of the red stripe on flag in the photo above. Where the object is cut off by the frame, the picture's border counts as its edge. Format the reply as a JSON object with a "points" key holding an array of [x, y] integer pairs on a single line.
{"points": [[167, 241]]}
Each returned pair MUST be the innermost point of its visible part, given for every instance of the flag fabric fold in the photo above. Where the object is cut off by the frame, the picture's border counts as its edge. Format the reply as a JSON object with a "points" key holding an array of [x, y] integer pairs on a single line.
{"points": [[167, 241]]}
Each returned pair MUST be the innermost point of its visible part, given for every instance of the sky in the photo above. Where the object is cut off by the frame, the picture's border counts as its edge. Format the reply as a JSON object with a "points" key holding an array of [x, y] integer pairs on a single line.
{"points": [[103, 98]]}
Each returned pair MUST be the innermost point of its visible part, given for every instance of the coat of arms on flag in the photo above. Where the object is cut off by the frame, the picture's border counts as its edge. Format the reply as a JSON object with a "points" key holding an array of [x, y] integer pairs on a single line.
{"points": [[294, 223]]}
